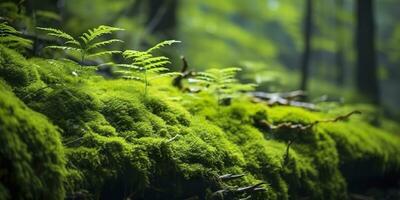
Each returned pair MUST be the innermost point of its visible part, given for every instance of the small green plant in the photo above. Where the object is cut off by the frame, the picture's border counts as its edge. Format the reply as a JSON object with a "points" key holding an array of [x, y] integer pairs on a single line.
{"points": [[88, 44], [146, 67], [221, 82], [11, 38]]}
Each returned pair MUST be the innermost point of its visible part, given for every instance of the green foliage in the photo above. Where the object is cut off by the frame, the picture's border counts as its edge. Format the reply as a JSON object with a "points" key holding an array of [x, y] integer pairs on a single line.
{"points": [[146, 67], [15, 69], [68, 107], [11, 38], [221, 82], [119, 145], [88, 44], [31, 154]]}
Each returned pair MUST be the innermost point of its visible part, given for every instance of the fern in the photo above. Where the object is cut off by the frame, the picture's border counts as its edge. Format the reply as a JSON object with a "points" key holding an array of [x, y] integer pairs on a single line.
{"points": [[88, 44], [221, 82], [146, 67], [9, 37]]}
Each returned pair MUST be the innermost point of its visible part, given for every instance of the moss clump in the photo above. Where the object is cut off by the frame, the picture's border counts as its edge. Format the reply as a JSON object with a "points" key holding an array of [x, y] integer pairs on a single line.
{"points": [[120, 144], [368, 155], [108, 167], [31, 154], [14, 68], [68, 107], [312, 168]]}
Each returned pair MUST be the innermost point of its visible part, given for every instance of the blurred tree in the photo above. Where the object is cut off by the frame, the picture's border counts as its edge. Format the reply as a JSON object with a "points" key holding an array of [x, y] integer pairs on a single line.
{"points": [[340, 62], [308, 21], [366, 70], [162, 17]]}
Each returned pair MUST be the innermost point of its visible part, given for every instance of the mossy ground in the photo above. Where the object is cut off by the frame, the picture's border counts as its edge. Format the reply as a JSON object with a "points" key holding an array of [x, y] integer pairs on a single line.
{"points": [[116, 143]]}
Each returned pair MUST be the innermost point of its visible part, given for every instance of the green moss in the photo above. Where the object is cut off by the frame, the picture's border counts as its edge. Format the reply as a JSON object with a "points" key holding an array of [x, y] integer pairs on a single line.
{"points": [[14, 69], [123, 113], [120, 144], [108, 162], [312, 170], [53, 72], [68, 107], [30, 152], [366, 153]]}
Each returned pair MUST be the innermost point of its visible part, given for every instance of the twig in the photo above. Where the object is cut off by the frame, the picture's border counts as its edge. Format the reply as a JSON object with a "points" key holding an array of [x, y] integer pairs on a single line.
{"points": [[286, 98], [287, 95], [35, 92], [173, 138], [73, 141], [251, 188], [186, 73], [286, 156], [227, 177], [302, 127]]}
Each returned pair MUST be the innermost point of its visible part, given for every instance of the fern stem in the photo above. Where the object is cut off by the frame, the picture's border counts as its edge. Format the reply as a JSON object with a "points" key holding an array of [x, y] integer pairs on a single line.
{"points": [[145, 83], [83, 55]]}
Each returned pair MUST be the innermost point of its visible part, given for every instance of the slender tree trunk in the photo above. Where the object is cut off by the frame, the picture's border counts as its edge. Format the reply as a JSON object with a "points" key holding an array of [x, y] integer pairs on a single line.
{"points": [[162, 17], [305, 62], [340, 62], [366, 71]]}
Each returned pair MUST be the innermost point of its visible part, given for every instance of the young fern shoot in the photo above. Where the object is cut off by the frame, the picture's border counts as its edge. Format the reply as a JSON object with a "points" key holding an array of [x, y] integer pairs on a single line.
{"points": [[221, 83], [88, 45], [11, 38], [146, 67]]}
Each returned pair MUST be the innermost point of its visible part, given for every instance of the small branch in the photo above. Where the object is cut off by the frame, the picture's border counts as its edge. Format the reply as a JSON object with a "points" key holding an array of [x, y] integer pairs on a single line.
{"points": [[286, 98], [73, 141], [173, 138], [286, 95], [286, 156], [228, 177], [302, 127], [186, 73], [252, 188], [246, 198], [34, 93]]}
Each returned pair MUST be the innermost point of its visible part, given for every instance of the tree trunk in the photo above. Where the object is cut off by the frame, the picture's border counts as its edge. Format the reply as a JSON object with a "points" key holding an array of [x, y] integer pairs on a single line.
{"points": [[162, 17], [366, 71], [340, 62], [307, 45]]}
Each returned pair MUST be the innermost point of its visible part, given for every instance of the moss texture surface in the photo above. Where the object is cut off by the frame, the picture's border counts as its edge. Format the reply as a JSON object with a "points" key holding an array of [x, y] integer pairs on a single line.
{"points": [[68, 136]]}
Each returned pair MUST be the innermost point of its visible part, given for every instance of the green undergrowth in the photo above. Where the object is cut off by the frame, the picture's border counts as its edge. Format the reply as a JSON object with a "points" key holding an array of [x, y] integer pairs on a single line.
{"points": [[31, 154], [118, 143]]}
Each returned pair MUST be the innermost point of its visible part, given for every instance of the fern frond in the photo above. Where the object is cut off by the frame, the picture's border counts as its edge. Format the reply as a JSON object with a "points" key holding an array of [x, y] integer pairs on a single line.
{"points": [[136, 78], [15, 41], [103, 53], [158, 70], [149, 60], [147, 66], [9, 37], [157, 64], [221, 82], [123, 72], [103, 43], [65, 48], [60, 34], [233, 70], [198, 81], [129, 66], [136, 56], [95, 33], [206, 76], [169, 74], [85, 47], [6, 29], [162, 44]]}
